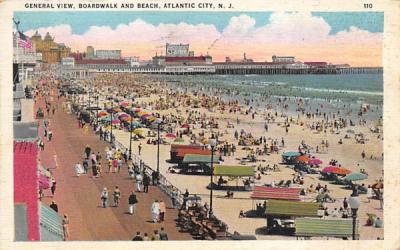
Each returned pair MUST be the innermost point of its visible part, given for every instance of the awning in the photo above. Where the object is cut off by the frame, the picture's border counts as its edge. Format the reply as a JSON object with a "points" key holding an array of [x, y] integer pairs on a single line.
{"points": [[51, 228], [327, 228], [193, 158], [266, 193], [25, 131], [292, 208], [220, 170], [183, 151]]}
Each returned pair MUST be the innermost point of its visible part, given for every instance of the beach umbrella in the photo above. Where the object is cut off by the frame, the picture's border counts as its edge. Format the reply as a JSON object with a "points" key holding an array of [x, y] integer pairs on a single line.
{"points": [[135, 123], [142, 113], [355, 177], [124, 104], [103, 113], [136, 110], [303, 158], [151, 118], [336, 170], [116, 121], [117, 110], [123, 115], [185, 125], [170, 135], [125, 118], [145, 116], [314, 161], [157, 121]]}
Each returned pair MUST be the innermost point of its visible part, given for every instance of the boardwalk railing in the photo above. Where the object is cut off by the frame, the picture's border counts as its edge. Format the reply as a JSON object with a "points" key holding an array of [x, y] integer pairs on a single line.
{"points": [[166, 186], [163, 183]]}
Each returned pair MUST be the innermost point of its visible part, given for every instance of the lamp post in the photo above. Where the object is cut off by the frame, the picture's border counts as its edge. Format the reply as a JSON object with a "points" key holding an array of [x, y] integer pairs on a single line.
{"points": [[159, 122], [354, 203], [111, 134], [212, 142], [97, 110], [130, 140]]}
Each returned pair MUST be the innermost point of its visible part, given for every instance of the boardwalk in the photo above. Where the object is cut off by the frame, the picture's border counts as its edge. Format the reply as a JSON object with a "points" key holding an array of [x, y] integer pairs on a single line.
{"points": [[79, 197]]}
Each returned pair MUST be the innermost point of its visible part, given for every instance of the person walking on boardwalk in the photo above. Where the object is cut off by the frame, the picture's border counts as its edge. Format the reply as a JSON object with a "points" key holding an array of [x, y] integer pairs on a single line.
{"points": [[104, 197], [174, 196], [163, 209], [88, 150], [132, 203], [146, 183], [139, 180], [53, 185], [155, 211], [78, 169], [117, 196], [65, 223], [140, 148]]}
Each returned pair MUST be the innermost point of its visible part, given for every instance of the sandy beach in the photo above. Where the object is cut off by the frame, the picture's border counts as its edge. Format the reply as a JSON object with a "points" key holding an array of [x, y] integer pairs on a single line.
{"points": [[198, 108]]}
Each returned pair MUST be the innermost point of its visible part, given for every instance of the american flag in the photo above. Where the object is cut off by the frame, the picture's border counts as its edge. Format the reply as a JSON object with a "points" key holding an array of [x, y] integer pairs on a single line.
{"points": [[24, 41]]}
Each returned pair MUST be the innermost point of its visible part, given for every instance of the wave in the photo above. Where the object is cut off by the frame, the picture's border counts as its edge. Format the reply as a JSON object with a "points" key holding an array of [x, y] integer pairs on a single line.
{"points": [[341, 91]]}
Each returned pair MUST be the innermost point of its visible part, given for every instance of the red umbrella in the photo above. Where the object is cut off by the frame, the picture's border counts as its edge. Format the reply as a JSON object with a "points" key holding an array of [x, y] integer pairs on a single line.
{"points": [[136, 110], [185, 125], [124, 104], [170, 136], [303, 158], [336, 170], [314, 161], [116, 121]]}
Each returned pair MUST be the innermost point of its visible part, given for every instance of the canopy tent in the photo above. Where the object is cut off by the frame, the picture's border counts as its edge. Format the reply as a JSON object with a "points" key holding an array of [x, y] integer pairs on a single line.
{"points": [[266, 193], [220, 170], [324, 228], [194, 158], [292, 208]]}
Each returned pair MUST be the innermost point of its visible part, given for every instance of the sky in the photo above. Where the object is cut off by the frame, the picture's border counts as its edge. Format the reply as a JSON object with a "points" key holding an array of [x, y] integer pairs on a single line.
{"points": [[336, 37]]}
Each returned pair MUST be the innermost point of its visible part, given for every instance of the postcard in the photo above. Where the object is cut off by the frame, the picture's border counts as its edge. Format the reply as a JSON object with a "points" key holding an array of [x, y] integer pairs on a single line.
{"points": [[226, 124]]}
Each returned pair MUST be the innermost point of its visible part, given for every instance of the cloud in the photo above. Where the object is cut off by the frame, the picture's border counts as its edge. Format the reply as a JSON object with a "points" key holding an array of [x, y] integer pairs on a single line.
{"points": [[297, 33]]}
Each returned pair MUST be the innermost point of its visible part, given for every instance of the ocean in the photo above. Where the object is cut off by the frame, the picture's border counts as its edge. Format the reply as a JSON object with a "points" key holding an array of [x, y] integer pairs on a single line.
{"points": [[335, 91]]}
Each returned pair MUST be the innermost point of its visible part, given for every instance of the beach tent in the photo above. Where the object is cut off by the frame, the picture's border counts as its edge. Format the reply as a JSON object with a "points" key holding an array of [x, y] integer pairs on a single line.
{"points": [[266, 193], [278, 208], [194, 158], [235, 171], [309, 227]]}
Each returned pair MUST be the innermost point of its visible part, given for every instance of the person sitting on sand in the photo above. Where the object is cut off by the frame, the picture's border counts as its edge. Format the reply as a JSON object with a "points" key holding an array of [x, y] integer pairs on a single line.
{"points": [[241, 214]]}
